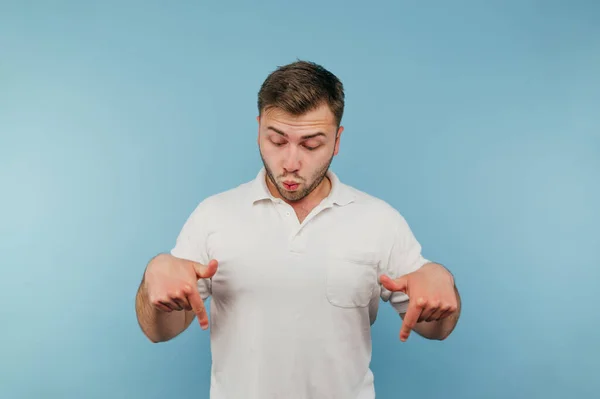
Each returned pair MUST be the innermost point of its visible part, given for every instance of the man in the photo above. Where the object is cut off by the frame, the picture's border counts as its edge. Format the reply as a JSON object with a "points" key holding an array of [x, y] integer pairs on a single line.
{"points": [[295, 262]]}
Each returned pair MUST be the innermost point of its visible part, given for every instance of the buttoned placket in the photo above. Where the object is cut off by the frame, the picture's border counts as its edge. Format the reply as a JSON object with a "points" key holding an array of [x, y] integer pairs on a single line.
{"points": [[297, 240]]}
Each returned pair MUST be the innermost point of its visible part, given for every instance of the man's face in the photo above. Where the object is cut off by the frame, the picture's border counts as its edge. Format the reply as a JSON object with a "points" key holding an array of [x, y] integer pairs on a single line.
{"points": [[297, 150]]}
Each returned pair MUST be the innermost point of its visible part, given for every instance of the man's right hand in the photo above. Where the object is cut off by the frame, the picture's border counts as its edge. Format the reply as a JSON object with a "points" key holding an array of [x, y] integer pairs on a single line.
{"points": [[171, 285]]}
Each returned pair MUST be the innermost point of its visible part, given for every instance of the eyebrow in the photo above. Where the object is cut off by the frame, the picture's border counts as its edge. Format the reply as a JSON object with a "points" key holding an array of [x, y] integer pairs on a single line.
{"points": [[305, 137]]}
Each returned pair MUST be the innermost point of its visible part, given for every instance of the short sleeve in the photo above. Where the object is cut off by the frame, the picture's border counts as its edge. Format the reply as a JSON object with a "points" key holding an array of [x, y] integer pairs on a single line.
{"points": [[191, 244], [404, 257]]}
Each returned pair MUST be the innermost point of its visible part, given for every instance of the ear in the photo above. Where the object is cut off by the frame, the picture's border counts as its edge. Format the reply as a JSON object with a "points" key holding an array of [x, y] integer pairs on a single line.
{"points": [[337, 140], [258, 130]]}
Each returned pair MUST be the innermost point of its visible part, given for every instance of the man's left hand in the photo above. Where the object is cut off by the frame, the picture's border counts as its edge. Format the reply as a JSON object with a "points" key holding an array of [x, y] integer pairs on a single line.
{"points": [[431, 292]]}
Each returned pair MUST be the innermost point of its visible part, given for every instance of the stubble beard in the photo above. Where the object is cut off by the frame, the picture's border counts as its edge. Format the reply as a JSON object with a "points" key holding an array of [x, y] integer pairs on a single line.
{"points": [[295, 196]]}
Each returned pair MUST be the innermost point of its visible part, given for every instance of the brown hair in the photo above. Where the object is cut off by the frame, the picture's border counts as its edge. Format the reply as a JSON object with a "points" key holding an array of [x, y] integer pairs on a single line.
{"points": [[301, 87]]}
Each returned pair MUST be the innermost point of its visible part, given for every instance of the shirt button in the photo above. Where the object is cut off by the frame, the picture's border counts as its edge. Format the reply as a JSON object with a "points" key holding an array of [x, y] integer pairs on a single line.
{"points": [[287, 214]]}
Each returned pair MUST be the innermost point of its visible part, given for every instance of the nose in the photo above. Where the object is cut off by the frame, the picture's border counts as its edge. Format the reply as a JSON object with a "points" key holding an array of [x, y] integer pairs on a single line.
{"points": [[291, 162]]}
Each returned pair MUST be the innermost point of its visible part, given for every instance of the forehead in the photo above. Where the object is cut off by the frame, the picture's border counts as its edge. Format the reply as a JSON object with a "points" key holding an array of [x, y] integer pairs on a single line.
{"points": [[319, 119]]}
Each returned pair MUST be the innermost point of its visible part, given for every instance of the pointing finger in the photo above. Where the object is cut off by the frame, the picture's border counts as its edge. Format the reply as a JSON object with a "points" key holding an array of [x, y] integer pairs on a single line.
{"points": [[413, 314], [198, 307]]}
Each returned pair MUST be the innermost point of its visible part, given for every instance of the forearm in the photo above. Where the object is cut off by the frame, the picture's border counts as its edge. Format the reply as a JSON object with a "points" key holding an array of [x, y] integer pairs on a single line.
{"points": [[157, 325]]}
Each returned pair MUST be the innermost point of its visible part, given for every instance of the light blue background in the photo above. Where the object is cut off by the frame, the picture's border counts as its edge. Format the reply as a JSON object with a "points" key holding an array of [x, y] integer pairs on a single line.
{"points": [[478, 120]]}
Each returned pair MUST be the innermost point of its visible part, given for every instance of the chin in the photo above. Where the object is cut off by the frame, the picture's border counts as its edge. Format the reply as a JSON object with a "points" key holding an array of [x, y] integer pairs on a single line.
{"points": [[292, 195]]}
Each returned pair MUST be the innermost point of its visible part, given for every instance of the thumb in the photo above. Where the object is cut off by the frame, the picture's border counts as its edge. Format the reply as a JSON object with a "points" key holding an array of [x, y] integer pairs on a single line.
{"points": [[399, 284], [207, 271]]}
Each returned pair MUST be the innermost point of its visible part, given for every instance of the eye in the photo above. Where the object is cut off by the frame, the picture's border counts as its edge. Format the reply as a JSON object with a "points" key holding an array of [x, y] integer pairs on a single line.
{"points": [[311, 145], [311, 148], [277, 143]]}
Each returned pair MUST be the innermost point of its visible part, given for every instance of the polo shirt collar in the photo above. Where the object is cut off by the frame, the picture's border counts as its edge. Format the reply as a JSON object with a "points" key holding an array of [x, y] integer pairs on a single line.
{"points": [[340, 194]]}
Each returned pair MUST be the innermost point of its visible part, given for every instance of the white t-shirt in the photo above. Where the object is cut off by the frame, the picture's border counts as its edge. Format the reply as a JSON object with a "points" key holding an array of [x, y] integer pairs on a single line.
{"points": [[292, 304]]}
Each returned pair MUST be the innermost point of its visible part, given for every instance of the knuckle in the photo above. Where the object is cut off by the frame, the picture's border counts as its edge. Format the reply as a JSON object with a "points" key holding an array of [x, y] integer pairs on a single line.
{"points": [[155, 300], [187, 288]]}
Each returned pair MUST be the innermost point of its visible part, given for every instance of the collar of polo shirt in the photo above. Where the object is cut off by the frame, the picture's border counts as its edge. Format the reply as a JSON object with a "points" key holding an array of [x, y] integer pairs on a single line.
{"points": [[339, 194]]}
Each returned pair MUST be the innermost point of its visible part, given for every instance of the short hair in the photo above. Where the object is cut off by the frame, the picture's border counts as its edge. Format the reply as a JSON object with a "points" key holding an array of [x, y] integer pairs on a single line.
{"points": [[301, 87]]}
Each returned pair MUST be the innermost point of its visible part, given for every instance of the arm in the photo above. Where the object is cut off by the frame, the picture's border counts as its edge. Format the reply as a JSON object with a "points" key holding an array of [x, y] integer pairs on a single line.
{"points": [[175, 285], [158, 325], [422, 292]]}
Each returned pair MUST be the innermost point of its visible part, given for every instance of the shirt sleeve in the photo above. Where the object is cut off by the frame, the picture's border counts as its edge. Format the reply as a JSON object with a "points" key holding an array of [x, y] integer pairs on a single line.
{"points": [[191, 244], [404, 257]]}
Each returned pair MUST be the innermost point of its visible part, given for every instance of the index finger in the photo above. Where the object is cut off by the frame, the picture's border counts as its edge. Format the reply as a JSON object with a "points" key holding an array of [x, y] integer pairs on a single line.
{"points": [[198, 308], [415, 308]]}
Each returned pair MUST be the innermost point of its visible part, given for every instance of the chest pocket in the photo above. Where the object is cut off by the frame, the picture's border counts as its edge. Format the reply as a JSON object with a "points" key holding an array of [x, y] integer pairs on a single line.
{"points": [[351, 277]]}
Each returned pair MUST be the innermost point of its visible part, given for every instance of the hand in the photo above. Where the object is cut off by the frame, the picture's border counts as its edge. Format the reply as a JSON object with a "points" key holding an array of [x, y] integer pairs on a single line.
{"points": [[171, 285], [431, 293]]}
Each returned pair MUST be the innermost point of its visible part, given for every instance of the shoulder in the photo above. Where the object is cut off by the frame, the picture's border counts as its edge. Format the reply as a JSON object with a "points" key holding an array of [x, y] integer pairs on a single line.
{"points": [[228, 197], [223, 202], [374, 220], [375, 208], [370, 202]]}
